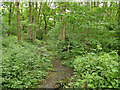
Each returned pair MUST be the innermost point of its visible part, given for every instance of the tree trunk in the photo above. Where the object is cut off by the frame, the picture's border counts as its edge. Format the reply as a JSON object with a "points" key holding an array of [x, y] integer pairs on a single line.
{"points": [[94, 4], [21, 11], [30, 19], [18, 21], [54, 15], [39, 28], [63, 30], [97, 4], [34, 31], [38, 19], [88, 3], [118, 31], [33, 12], [45, 27], [22, 17], [46, 20], [119, 16], [9, 18]]}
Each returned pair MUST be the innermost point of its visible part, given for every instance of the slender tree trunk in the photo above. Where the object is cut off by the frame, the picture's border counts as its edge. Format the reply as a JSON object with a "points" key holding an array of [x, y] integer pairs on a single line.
{"points": [[118, 31], [45, 27], [63, 30], [34, 31], [94, 4], [71, 28], [46, 20], [21, 18], [9, 23], [39, 28], [21, 11], [97, 4], [119, 16], [38, 19], [39, 12], [54, 15], [33, 12], [18, 21], [88, 3], [30, 19]]}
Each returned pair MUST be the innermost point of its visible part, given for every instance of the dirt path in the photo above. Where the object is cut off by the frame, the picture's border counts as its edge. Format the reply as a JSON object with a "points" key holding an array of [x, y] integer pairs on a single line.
{"points": [[61, 75]]}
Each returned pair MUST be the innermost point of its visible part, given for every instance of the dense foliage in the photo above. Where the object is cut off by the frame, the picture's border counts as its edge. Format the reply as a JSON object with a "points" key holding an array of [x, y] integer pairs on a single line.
{"points": [[93, 71], [91, 46], [83, 37], [85, 29], [23, 67]]}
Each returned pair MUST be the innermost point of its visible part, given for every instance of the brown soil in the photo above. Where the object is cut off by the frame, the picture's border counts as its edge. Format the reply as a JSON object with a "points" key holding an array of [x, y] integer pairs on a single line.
{"points": [[61, 74]]}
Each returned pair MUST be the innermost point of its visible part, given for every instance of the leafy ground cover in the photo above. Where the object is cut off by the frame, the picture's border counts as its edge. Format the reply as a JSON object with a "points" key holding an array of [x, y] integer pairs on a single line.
{"points": [[23, 65], [96, 70]]}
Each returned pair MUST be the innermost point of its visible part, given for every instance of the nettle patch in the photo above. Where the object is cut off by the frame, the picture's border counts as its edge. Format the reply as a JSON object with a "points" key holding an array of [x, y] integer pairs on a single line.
{"points": [[93, 71]]}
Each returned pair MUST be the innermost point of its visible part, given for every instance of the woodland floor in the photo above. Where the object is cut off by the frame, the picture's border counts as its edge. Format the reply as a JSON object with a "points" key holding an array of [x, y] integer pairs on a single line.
{"points": [[59, 77]]}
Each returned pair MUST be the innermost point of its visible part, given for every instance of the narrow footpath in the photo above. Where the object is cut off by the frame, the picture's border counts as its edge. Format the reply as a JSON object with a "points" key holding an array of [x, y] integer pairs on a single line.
{"points": [[58, 78]]}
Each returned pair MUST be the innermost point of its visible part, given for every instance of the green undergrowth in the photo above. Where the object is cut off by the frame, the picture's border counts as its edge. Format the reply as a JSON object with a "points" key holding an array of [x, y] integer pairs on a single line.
{"points": [[96, 70], [23, 65]]}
